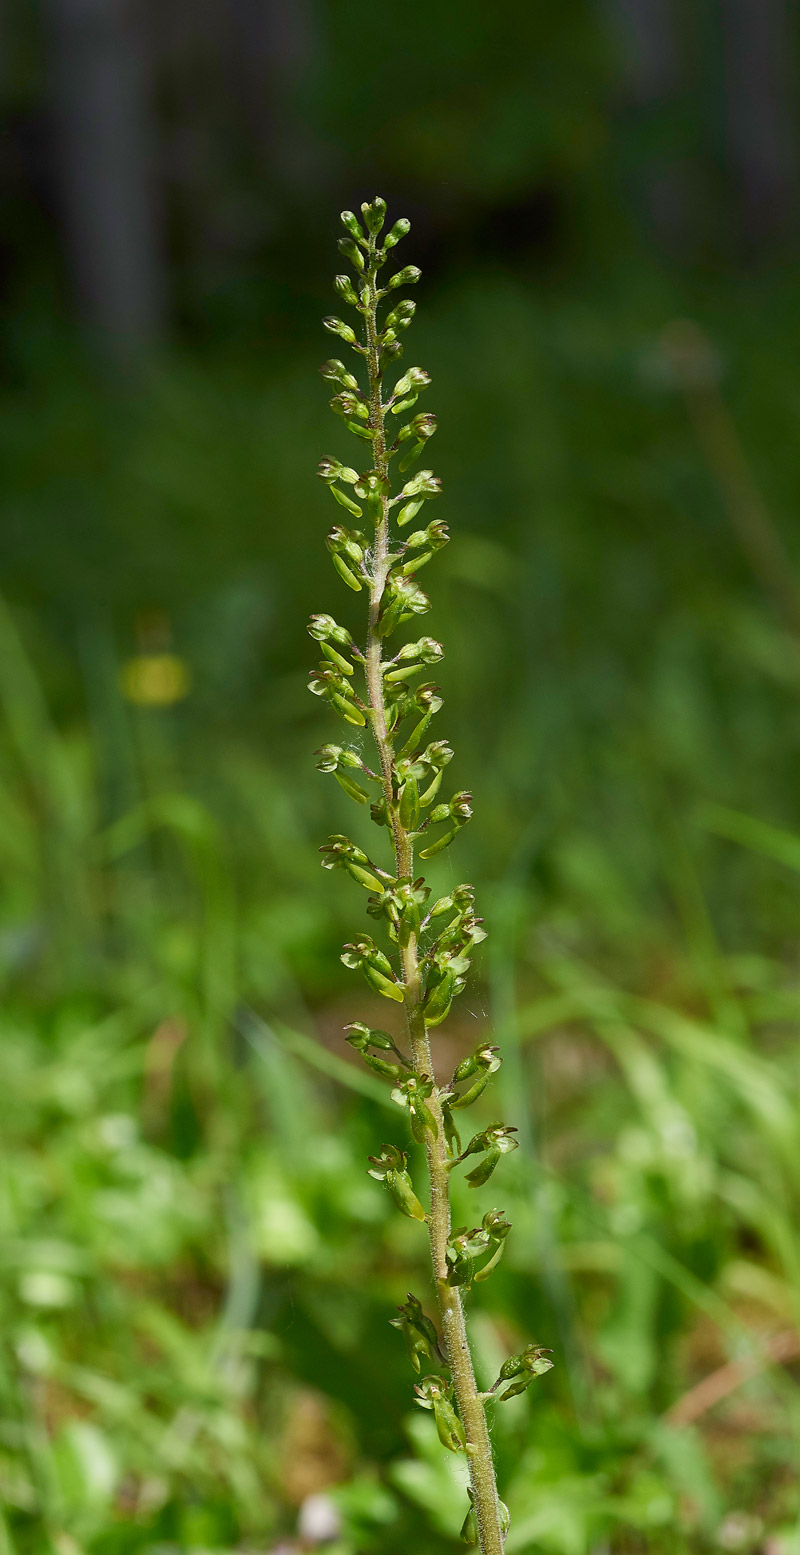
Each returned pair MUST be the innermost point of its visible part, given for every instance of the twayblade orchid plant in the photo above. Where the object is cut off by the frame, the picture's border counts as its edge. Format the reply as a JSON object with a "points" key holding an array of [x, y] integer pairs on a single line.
{"points": [[379, 686]]}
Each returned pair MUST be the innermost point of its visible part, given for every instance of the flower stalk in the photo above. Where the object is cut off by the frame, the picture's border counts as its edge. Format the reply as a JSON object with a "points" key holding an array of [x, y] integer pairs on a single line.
{"points": [[430, 945]]}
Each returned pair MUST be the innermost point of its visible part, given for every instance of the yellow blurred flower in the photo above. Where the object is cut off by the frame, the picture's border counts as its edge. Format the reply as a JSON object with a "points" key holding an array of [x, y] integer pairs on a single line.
{"points": [[155, 679]]}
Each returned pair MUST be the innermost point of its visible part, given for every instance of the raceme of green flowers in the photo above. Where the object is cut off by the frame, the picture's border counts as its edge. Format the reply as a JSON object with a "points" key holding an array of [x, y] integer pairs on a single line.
{"points": [[376, 552]]}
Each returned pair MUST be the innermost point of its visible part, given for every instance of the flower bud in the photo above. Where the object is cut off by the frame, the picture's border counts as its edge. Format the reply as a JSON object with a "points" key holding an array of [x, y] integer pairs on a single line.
{"points": [[414, 379], [521, 1370], [328, 758], [424, 426], [484, 1057], [377, 969], [427, 649], [340, 853], [427, 542], [390, 1167], [427, 697], [418, 490], [332, 758], [353, 225], [500, 1137], [350, 542], [325, 629], [438, 754], [402, 598], [460, 1257], [408, 276], [465, 1247], [330, 470], [412, 1092], [371, 484], [399, 318], [400, 230], [373, 488], [374, 215], [436, 1394], [347, 547], [495, 1223], [326, 632], [338, 327], [318, 685], [461, 808], [390, 1160], [494, 1141], [400, 903], [418, 431], [354, 955], [407, 391], [326, 682], [412, 659], [423, 484], [362, 1037], [351, 251], [336, 372], [347, 404], [418, 1331], [346, 290]]}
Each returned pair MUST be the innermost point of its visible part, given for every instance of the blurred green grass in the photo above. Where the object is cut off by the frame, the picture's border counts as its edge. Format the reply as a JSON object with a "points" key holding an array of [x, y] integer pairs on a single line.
{"points": [[197, 1272]]}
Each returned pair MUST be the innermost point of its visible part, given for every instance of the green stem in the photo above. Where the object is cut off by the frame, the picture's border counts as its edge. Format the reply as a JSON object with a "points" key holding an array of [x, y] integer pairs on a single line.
{"points": [[451, 1308]]}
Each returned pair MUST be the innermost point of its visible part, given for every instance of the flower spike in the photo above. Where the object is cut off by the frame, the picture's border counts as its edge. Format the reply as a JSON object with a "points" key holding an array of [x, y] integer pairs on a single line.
{"points": [[370, 677]]}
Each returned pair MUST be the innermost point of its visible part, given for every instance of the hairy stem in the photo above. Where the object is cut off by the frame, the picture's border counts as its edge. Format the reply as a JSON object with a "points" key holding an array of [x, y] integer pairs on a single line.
{"points": [[451, 1308]]}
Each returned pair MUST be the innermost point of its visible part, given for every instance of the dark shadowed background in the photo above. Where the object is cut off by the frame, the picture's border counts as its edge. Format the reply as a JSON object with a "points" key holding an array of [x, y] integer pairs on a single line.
{"points": [[195, 1271]]}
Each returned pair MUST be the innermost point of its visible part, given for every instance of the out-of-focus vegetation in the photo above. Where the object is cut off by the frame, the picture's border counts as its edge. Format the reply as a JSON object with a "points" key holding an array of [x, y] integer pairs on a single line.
{"points": [[196, 1270]]}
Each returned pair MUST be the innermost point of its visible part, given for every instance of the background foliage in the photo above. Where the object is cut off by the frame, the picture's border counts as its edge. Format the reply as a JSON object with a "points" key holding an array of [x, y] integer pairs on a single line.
{"points": [[196, 1271]]}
